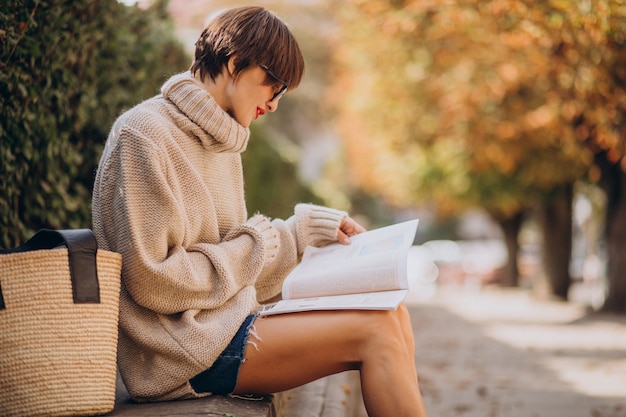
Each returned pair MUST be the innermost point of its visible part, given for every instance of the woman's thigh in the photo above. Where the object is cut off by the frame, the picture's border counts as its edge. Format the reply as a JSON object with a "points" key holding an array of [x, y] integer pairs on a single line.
{"points": [[289, 350]]}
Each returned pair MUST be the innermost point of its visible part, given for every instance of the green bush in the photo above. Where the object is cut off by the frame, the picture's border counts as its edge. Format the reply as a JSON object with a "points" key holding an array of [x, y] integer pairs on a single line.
{"points": [[272, 184], [67, 69]]}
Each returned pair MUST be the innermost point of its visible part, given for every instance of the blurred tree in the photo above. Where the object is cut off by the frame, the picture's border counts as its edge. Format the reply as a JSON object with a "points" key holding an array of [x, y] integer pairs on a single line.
{"points": [[501, 104], [606, 136], [67, 69]]}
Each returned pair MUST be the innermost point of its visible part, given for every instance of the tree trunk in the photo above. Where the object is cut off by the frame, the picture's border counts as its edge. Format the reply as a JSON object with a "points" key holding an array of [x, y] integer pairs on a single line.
{"points": [[511, 227], [555, 216], [614, 183]]}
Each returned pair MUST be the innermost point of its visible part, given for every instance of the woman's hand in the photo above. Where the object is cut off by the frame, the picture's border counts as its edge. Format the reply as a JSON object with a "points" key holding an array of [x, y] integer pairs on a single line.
{"points": [[347, 228]]}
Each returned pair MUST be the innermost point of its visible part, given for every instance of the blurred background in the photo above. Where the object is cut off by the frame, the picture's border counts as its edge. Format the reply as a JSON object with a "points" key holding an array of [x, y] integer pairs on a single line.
{"points": [[500, 124]]}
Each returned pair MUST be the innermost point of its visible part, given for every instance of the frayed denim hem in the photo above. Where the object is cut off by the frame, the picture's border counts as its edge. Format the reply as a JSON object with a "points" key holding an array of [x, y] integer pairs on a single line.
{"points": [[221, 378]]}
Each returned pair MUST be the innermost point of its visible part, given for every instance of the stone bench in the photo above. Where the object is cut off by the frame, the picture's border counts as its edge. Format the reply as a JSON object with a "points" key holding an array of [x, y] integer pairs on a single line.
{"points": [[334, 396]]}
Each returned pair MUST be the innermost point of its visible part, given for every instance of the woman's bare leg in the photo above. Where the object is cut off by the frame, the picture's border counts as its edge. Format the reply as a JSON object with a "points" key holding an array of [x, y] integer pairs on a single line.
{"points": [[293, 349]]}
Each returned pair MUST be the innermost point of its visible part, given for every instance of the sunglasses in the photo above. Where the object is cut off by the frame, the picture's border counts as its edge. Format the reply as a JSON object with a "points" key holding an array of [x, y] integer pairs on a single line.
{"points": [[282, 90]]}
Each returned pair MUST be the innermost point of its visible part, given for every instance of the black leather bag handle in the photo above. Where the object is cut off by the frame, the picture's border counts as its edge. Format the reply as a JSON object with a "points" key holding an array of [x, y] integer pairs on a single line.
{"points": [[82, 247]]}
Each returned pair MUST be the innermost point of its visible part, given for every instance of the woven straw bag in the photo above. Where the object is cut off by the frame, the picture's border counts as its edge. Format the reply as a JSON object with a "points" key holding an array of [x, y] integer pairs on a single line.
{"points": [[58, 326]]}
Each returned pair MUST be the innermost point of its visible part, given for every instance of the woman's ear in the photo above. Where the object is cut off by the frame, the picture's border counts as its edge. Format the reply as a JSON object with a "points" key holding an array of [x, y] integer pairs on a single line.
{"points": [[230, 66]]}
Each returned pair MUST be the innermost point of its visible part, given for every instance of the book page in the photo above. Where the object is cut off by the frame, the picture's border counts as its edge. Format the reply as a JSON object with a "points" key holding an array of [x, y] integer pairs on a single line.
{"points": [[386, 300], [374, 261]]}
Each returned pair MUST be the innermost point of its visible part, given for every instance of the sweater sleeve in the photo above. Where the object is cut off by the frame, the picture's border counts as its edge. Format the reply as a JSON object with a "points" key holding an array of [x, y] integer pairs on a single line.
{"points": [[316, 225], [143, 217], [262, 230], [310, 225]]}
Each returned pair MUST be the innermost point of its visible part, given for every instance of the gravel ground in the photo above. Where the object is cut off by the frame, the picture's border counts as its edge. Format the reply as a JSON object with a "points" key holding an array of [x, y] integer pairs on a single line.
{"points": [[489, 352]]}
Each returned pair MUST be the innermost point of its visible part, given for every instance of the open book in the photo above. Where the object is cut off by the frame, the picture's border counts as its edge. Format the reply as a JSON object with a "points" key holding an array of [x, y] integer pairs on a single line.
{"points": [[368, 274]]}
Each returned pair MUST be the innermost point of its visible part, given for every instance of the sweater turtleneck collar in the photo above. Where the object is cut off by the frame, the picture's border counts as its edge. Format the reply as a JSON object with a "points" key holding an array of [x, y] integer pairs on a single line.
{"points": [[224, 134]]}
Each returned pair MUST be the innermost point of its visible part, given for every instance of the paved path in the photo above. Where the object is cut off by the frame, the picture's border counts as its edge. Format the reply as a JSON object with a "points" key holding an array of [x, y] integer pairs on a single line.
{"points": [[503, 353]]}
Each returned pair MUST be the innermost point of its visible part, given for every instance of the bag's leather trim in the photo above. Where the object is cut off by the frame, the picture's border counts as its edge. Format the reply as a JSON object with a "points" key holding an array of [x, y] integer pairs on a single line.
{"points": [[82, 248]]}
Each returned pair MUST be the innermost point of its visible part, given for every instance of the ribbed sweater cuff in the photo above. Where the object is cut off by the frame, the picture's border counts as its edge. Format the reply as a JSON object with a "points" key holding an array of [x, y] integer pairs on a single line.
{"points": [[317, 225], [269, 235]]}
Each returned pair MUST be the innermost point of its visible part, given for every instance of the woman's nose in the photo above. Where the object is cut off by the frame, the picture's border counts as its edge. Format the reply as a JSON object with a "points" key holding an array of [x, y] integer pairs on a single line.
{"points": [[272, 106]]}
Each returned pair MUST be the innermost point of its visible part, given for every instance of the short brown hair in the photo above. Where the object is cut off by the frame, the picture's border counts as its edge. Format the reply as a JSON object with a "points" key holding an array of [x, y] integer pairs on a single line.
{"points": [[255, 36]]}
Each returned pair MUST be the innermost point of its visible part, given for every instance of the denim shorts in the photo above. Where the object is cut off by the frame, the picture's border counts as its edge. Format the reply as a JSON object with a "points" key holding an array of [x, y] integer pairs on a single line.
{"points": [[221, 377]]}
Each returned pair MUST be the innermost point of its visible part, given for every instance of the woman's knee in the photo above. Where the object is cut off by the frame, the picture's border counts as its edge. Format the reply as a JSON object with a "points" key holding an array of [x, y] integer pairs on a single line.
{"points": [[390, 330], [404, 318], [398, 321], [403, 315]]}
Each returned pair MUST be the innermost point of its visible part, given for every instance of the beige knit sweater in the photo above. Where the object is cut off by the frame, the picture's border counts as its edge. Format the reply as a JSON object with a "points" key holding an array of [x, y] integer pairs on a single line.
{"points": [[169, 197]]}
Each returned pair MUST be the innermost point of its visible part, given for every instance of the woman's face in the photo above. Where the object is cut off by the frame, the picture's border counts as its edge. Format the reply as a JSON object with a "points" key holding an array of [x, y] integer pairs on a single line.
{"points": [[248, 96]]}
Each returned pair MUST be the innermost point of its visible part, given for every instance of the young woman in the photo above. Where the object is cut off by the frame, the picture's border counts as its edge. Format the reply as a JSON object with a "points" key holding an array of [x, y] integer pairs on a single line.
{"points": [[169, 197]]}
